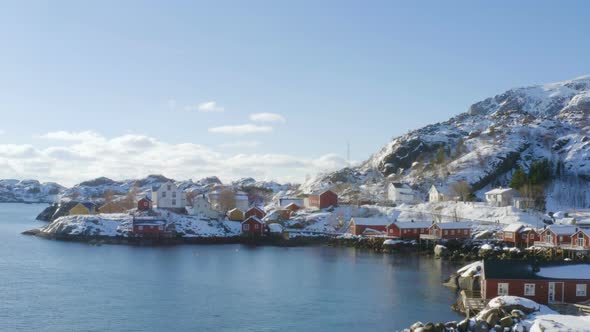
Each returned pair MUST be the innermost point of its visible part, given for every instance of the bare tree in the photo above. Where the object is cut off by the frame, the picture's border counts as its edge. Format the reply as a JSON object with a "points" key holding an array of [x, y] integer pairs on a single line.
{"points": [[128, 202], [108, 196], [462, 189], [227, 200], [190, 197]]}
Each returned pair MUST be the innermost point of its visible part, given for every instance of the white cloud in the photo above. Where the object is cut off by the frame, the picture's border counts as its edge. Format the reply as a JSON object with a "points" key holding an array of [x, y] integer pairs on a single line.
{"points": [[208, 107], [240, 145], [267, 117], [73, 159], [241, 129], [72, 136]]}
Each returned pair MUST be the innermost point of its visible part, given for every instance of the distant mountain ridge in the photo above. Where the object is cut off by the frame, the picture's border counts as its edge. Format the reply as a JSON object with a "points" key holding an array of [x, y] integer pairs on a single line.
{"points": [[484, 145], [32, 191]]}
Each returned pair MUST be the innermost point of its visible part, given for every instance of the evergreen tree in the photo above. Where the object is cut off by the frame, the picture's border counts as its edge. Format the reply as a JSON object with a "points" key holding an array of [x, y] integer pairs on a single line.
{"points": [[519, 179], [440, 155]]}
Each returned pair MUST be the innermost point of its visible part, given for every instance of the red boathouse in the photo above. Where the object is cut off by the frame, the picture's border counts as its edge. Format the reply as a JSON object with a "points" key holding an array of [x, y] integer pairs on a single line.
{"points": [[546, 283]]}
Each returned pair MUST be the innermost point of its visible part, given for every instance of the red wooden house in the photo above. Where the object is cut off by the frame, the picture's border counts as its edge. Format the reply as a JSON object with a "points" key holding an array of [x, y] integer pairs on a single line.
{"points": [[144, 204], [322, 200], [549, 283], [408, 230], [580, 241], [253, 226], [556, 236], [448, 231], [255, 212], [293, 207], [519, 235], [368, 226], [149, 227]]}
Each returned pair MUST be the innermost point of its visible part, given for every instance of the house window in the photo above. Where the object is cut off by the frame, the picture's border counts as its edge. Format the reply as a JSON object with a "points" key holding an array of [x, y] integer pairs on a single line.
{"points": [[580, 240], [445, 232], [547, 237], [466, 231], [502, 288], [169, 187], [174, 194], [173, 202], [163, 194], [246, 227], [140, 228], [561, 239], [581, 289], [255, 226], [529, 289], [532, 236]]}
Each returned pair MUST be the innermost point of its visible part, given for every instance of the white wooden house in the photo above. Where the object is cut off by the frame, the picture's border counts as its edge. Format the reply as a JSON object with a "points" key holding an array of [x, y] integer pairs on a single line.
{"points": [[202, 207], [168, 195], [501, 196], [400, 193], [441, 194]]}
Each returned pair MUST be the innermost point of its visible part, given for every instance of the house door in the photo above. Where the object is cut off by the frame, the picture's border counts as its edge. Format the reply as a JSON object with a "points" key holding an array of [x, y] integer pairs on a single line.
{"points": [[555, 292], [551, 292]]}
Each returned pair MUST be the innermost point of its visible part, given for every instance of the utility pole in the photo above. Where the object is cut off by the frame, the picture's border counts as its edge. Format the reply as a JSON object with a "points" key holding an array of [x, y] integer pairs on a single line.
{"points": [[348, 152]]}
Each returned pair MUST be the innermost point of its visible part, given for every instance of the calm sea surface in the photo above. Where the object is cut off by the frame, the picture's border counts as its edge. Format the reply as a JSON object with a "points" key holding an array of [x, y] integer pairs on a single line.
{"points": [[60, 286]]}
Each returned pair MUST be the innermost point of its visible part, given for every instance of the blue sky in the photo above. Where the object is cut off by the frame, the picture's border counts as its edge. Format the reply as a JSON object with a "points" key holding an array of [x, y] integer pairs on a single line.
{"points": [[335, 71]]}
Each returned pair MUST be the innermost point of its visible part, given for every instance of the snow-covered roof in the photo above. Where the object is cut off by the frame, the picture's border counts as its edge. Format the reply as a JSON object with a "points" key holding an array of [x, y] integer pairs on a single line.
{"points": [[515, 227], [253, 218], [369, 230], [409, 224], [256, 208], [400, 185], [376, 221], [234, 209], [573, 271], [275, 228], [562, 230], [497, 191], [453, 225]]}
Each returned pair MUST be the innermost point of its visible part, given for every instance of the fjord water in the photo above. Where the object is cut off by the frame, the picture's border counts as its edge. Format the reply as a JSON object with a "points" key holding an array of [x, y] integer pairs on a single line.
{"points": [[64, 286]]}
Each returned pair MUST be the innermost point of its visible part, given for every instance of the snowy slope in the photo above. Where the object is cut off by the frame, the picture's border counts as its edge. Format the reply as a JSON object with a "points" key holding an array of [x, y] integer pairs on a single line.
{"points": [[498, 134], [29, 191]]}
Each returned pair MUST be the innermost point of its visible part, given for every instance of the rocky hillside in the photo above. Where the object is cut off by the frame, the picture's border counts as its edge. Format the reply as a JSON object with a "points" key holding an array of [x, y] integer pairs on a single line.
{"points": [[29, 191], [484, 145]]}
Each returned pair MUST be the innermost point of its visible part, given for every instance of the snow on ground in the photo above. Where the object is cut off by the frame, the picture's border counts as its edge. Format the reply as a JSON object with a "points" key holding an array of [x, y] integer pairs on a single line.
{"points": [[467, 211], [472, 269], [103, 224], [560, 323], [120, 225]]}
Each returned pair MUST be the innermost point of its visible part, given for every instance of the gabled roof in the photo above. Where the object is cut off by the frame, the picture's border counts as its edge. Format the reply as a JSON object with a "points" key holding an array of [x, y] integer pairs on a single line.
{"points": [[253, 218], [453, 225], [409, 224], [562, 230], [443, 190], [147, 198], [377, 221], [500, 190], [515, 227], [400, 185], [234, 209], [256, 208], [292, 204], [584, 231], [321, 192]]}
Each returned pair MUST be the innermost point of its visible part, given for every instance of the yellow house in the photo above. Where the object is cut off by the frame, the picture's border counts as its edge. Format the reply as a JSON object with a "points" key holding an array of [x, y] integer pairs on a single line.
{"points": [[235, 215], [111, 207], [81, 209]]}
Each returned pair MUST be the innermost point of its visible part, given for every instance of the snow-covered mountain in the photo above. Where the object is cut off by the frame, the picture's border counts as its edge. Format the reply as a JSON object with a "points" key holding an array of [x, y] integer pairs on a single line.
{"points": [[97, 189], [29, 191], [484, 145]]}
